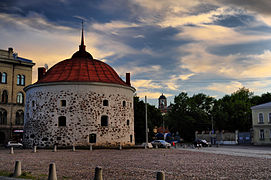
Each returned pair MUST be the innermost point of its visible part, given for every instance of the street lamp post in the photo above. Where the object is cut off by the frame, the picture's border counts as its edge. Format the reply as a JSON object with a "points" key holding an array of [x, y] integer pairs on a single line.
{"points": [[146, 120]]}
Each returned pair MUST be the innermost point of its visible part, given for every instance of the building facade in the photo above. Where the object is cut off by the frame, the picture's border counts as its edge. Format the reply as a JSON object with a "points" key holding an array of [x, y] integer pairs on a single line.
{"points": [[261, 122], [79, 101], [15, 74]]}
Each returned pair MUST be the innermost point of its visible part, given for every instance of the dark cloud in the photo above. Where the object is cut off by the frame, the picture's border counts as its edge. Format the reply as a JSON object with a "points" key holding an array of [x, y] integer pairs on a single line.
{"points": [[259, 6], [257, 47], [234, 20]]}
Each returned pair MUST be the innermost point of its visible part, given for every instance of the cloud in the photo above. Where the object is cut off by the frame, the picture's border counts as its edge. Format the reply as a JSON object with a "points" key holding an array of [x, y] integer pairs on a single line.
{"points": [[259, 6], [226, 88], [151, 95], [136, 70], [198, 60], [145, 84], [113, 26]]}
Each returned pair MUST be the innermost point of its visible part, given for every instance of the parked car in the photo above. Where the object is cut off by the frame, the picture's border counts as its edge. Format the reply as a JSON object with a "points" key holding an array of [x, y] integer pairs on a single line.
{"points": [[201, 143], [14, 144], [160, 143]]}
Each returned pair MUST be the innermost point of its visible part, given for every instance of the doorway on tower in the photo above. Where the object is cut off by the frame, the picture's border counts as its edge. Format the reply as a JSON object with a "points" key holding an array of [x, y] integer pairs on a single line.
{"points": [[92, 138], [2, 138]]}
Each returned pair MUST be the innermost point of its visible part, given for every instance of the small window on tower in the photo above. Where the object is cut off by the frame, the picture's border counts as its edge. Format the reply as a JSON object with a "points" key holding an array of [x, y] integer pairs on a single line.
{"points": [[63, 103], [131, 138], [128, 122], [123, 103], [62, 121], [104, 121], [105, 102], [33, 103]]}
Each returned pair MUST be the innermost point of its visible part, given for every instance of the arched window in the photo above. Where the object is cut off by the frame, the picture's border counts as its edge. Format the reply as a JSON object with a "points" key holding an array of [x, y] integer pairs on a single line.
{"points": [[260, 120], [19, 117], [61, 121], [4, 97], [128, 122], [20, 98], [22, 80], [18, 79], [104, 120], [105, 102], [3, 116], [4, 78]]}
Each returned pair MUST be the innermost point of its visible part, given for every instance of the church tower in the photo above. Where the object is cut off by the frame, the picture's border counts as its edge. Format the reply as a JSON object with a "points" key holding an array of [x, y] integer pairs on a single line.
{"points": [[162, 103]]}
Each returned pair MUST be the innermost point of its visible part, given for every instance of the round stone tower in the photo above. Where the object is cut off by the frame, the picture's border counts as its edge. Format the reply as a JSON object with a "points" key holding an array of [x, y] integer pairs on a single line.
{"points": [[79, 101]]}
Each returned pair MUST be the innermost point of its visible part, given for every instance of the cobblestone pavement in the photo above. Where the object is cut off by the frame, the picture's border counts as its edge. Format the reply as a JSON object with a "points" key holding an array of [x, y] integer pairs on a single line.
{"points": [[247, 151], [137, 164]]}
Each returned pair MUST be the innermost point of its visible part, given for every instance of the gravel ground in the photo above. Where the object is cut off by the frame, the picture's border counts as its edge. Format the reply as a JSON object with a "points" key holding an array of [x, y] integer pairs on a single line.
{"points": [[138, 164]]}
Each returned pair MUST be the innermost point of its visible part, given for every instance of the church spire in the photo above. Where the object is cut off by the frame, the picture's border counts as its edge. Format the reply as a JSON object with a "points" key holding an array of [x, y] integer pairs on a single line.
{"points": [[82, 47]]}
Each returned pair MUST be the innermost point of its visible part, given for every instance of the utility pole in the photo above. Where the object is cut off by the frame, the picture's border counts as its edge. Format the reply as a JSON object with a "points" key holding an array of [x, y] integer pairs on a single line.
{"points": [[146, 120], [212, 124]]}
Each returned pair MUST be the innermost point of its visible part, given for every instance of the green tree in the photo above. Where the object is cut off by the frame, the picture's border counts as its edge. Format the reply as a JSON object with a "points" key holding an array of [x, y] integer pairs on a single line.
{"points": [[233, 112], [189, 114], [154, 119]]}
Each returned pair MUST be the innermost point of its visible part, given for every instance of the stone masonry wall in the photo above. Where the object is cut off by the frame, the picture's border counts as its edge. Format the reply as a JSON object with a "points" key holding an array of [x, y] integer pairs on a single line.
{"points": [[83, 111]]}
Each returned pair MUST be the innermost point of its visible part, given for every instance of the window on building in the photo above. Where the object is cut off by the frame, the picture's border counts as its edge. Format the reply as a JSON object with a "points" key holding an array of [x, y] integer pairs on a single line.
{"points": [[19, 117], [20, 98], [123, 103], [22, 80], [260, 120], [104, 121], [3, 116], [33, 103], [269, 119], [92, 138], [105, 102], [63, 103], [128, 122], [261, 134], [61, 121], [4, 78], [270, 133], [4, 98], [131, 138], [18, 79]]}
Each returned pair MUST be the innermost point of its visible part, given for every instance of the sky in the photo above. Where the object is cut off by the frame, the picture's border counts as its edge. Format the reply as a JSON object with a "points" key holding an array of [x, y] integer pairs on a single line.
{"points": [[213, 47]]}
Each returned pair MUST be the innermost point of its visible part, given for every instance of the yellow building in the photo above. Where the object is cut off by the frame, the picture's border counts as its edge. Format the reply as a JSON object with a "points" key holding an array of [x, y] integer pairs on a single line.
{"points": [[15, 74], [261, 122]]}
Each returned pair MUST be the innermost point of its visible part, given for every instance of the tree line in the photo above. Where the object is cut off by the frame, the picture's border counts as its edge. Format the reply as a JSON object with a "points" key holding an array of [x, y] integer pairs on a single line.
{"points": [[199, 112]]}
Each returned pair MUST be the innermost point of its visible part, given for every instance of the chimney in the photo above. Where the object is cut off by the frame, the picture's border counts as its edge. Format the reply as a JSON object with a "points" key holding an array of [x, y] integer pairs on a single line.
{"points": [[41, 72], [128, 79], [10, 52]]}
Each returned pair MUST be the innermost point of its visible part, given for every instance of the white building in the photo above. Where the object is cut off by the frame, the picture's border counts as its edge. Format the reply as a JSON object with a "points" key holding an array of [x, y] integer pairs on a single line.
{"points": [[261, 123], [79, 101]]}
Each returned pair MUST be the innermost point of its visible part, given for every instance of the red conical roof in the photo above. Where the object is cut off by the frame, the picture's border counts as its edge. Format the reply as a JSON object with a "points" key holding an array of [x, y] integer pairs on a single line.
{"points": [[82, 68]]}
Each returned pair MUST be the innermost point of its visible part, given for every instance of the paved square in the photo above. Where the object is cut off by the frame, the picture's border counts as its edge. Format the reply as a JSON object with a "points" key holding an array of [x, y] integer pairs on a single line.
{"points": [[139, 164]]}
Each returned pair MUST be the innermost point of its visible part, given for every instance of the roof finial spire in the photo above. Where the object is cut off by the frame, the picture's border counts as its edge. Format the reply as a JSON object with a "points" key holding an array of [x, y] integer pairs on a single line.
{"points": [[82, 47]]}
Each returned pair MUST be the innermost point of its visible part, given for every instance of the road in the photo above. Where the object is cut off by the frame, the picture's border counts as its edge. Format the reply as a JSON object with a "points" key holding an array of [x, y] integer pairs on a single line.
{"points": [[247, 151]]}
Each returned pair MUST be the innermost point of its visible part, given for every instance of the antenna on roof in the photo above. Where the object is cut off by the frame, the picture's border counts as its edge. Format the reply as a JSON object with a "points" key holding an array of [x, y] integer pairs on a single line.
{"points": [[46, 66]]}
